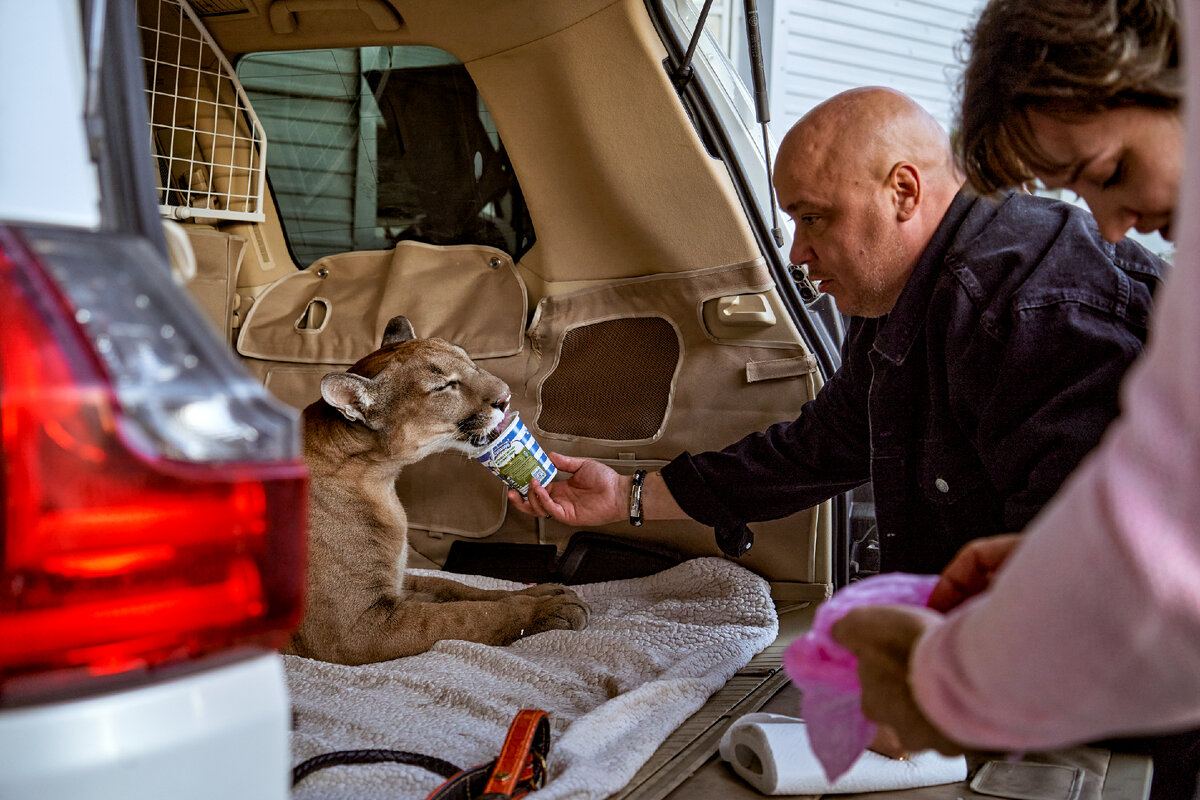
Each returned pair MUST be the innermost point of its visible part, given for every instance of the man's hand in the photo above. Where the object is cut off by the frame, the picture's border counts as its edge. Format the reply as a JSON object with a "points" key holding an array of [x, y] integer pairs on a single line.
{"points": [[882, 638], [594, 495], [971, 570]]}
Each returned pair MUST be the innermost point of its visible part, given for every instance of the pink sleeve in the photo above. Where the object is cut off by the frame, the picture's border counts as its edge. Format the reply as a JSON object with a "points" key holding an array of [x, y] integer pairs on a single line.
{"points": [[1093, 626]]}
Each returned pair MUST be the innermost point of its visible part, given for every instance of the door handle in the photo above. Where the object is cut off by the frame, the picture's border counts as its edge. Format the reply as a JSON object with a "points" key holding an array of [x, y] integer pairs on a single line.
{"points": [[746, 311]]}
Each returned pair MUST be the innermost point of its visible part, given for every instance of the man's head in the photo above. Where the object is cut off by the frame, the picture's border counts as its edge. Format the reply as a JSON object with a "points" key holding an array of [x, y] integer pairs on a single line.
{"points": [[1083, 95], [866, 177]]}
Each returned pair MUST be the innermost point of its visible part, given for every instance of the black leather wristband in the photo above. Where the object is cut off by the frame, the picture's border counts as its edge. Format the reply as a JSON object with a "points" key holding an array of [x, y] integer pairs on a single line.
{"points": [[635, 498]]}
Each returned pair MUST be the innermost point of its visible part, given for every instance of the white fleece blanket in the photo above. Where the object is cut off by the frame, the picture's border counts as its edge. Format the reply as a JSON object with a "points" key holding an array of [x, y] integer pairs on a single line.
{"points": [[655, 649]]}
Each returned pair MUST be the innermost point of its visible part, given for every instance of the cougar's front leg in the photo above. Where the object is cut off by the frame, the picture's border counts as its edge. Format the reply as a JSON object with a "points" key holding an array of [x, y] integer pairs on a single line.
{"points": [[542, 607], [409, 625], [441, 590]]}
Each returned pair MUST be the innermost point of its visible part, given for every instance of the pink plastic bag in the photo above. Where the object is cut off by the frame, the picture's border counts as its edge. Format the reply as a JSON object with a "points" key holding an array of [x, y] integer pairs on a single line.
{"points": [[827, 673]]}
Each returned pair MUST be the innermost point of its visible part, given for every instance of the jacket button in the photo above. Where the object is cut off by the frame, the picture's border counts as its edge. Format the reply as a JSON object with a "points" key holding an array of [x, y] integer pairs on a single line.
{"points": [[941, 485]]}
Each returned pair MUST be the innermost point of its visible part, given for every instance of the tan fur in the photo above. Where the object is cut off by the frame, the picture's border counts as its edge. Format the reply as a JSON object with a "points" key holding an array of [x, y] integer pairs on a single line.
{"points": [[411, 398]]}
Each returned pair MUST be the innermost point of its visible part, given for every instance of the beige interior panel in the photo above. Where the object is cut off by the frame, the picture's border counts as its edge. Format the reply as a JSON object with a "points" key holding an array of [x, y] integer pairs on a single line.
{"points": [[298, 385], [450, 493], [267, 258], [628, 134], [335, 311], [713, 404], [475, 33], [218, 258]]}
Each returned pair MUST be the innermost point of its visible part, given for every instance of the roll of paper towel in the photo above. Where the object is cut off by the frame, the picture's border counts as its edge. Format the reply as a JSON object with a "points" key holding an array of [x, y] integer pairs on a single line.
{"points": [[771, 752]]}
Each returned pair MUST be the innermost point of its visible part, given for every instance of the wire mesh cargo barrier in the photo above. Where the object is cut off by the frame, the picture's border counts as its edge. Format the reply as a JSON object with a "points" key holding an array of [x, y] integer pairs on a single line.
{"points": [[208, 145]]}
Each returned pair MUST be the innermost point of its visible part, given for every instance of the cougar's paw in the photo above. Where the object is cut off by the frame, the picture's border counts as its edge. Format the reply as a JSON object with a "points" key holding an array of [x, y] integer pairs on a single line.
{"points": [[546, 589], [558, 609]]}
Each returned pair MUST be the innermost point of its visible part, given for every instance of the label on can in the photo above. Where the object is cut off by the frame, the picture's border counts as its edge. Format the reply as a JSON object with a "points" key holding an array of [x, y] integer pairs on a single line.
{"points": [[517, 458]]}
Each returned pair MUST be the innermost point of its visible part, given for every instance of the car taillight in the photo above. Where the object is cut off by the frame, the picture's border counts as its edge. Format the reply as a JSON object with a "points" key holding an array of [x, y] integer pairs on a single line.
{"points": [[154, 498]]}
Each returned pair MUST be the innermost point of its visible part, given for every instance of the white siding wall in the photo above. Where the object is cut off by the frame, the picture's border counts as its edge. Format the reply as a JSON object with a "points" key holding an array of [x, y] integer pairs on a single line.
{"points": [[821, 47]]}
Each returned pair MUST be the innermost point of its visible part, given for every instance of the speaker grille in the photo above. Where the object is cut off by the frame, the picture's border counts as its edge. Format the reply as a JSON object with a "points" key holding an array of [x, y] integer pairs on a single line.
{"points": [[612, 381]]}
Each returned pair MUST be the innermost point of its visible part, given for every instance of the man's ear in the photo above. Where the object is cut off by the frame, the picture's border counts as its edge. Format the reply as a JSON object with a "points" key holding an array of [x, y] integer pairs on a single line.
{"points": [[348, 393], [905, 183]]}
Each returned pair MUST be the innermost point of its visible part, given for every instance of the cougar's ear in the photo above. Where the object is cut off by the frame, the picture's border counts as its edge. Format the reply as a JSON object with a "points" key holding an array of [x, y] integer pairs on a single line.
{"points": [[399, 329], [348, 393]]}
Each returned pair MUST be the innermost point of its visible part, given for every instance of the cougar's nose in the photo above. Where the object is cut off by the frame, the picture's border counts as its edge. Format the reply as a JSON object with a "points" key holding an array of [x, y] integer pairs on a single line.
{"points": [[502, 401]]}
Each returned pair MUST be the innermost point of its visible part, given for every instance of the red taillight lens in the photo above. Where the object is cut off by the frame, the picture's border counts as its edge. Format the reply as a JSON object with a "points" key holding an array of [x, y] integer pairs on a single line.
{"points": [[114, 559]]}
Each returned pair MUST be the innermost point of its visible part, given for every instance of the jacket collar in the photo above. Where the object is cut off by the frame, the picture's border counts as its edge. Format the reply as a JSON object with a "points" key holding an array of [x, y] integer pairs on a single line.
{"points": [[899, 329]]}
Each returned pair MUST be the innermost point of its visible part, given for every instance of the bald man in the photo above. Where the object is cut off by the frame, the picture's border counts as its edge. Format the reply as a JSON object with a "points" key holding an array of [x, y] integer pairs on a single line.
{"points": [[987, 342]]}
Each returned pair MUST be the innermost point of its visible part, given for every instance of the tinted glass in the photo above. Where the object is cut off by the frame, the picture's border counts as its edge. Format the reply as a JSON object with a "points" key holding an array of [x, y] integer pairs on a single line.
{"points": [[371, 146]]}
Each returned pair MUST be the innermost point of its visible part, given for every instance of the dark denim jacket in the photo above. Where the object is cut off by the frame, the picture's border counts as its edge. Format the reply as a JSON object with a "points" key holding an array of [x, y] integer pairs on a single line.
{"points": [[969, 404]]}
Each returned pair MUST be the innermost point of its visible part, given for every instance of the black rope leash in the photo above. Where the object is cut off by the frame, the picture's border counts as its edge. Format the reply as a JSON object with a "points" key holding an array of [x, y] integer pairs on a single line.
{"points": [[337, 757], [519, 769]]}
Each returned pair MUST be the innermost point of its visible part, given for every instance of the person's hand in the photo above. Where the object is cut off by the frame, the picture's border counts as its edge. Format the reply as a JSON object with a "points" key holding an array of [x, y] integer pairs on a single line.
{"points": [[971, 570], [886, 742], [882, 638], [594, 495]]}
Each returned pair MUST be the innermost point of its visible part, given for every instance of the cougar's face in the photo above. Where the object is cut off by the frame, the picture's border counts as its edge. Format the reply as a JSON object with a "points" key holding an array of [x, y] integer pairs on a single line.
{"points": [[432, 397]]}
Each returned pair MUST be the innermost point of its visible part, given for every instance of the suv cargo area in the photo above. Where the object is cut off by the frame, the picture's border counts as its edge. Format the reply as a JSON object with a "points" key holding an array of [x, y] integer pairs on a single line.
{"points": [[526, 180]]}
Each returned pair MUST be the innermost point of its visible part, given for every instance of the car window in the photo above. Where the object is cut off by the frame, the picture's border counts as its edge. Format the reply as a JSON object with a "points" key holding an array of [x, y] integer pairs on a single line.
{"points": [[375, 145]]}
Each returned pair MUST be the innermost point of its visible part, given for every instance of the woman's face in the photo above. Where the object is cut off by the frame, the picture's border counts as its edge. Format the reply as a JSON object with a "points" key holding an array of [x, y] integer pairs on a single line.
{"points": [[1124, 162]]}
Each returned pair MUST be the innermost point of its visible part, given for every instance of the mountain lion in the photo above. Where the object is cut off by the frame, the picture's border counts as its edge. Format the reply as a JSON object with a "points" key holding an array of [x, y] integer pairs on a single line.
{"points": [[410, 398]]}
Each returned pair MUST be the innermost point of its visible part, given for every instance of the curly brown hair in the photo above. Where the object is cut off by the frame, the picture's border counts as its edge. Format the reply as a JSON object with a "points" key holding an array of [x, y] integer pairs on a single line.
{"points": [[1067, 58]]}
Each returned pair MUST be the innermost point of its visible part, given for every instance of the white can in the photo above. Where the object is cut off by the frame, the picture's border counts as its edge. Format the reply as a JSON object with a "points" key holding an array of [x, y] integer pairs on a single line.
{"points": [[517, 458]]}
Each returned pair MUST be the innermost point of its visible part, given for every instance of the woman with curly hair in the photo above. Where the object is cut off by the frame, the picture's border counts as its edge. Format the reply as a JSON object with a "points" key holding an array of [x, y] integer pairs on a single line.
{"points": [[1082, 94]]}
